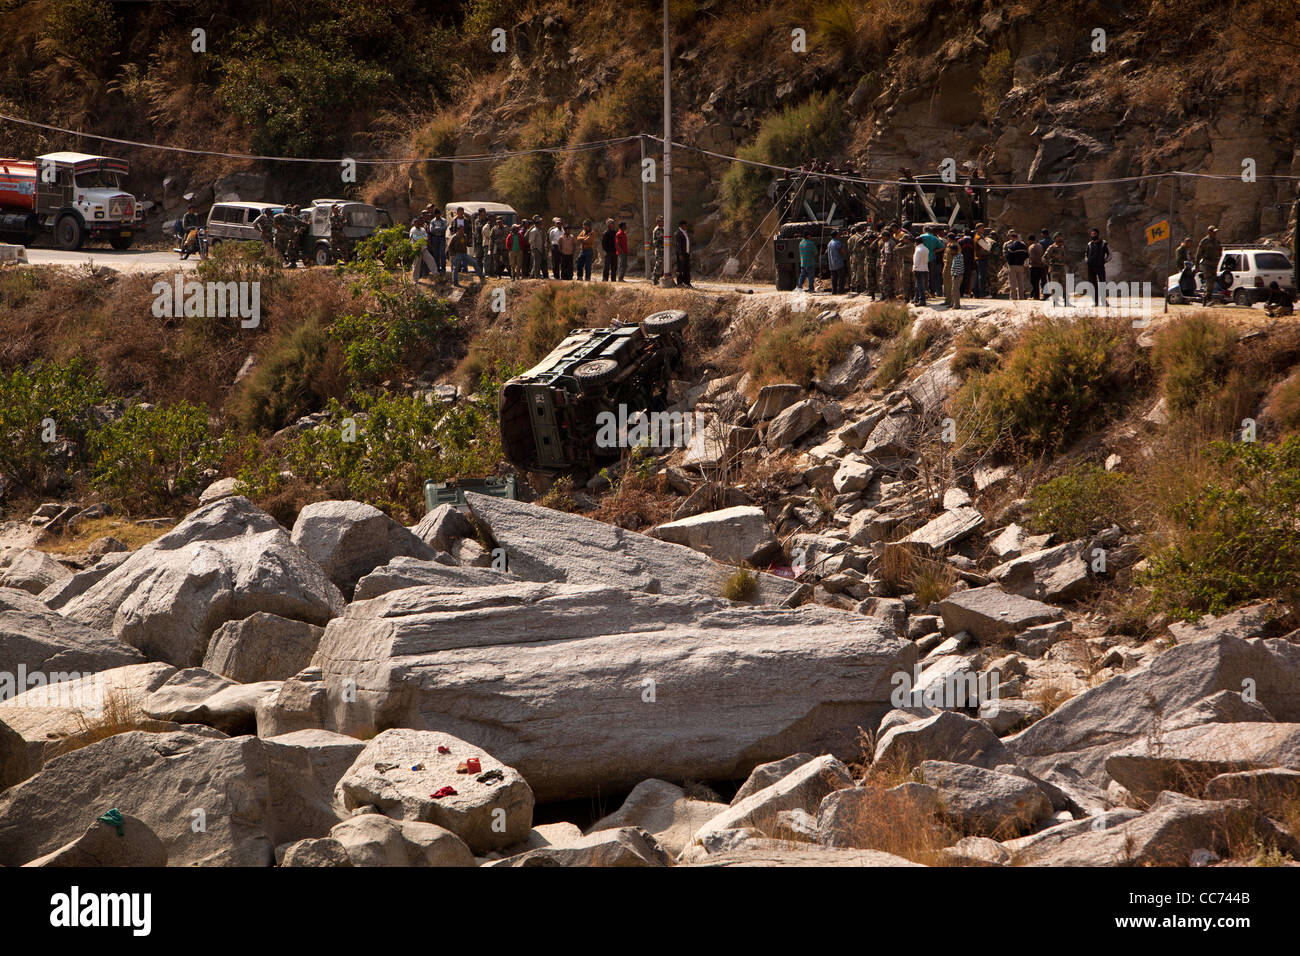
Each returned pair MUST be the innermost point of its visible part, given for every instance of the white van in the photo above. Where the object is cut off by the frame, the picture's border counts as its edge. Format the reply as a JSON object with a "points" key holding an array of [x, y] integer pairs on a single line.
{"points": [[1253, 267], [492, 209], [234, 220]]}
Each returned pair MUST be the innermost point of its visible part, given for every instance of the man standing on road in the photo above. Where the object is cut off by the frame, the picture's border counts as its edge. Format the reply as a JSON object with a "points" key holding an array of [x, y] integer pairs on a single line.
{"points": [[906, 245], [1096, 255], [935, 247], [921, 271], [458, 247], [286, 231], [423, 263], [993, 283], [980, 247], [620, 250], [872, 260], [888, 262], [954, 266], [836, 262], [438, 240], [1055, 260], [609, 252], [1208, 253], [1016, 254], [338, 237], [807, 264], [537, 246], [657, 244], [1037, 270], [265, 226], [682, 253]]}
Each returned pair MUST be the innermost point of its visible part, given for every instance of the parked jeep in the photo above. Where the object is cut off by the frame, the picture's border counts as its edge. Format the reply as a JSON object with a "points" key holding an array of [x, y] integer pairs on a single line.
{"points": [[363, 220], [549, 414]]}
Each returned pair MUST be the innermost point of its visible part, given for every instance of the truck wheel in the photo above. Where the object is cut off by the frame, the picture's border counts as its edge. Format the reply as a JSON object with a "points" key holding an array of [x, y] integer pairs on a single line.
{"points": [[1242, 297], [323, 257], [596, 373], [69, 233], [785, 279], [121, 242], [671, 320]]}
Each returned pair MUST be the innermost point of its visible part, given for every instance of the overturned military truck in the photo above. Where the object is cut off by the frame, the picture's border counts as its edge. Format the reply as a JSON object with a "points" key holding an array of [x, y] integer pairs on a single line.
{"points": [[552, 419]]}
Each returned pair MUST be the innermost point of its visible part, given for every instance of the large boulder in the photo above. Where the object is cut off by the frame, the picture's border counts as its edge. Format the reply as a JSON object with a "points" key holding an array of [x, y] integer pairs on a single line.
{"points": [[406, 572], [947, 529], [1177, 831], [198, 696], [304, 767], [442, 527], [205, 797], [774, 399], [30, 570], [1060, 573], [588, 689], [663, 810], [759, 852], [349, 539], [224, 562], [36, 640], [61, 592], [732, 535], [262, 647], [802, 789], [47, 719], [1087, 729], [992, 615], [624, 846], [985, 802], [542, 544], [792, 424], [947, 736], [371, 839], [402, 772], [131, 843], [766, 774], [1186, 760]]}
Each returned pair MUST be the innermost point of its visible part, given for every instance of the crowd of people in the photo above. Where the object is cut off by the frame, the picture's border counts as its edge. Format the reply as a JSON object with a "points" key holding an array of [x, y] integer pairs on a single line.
{"points": [[494, 248], [894, 263]]}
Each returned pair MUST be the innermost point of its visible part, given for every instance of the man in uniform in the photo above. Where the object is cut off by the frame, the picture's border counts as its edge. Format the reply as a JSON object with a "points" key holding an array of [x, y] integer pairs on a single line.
{"points": [[995, 258], [476, 237], [1208, 253], [904, 251], [1054, 259], [871, 257], [338, 237], [286, 232], [888, 262], [265, 226]]}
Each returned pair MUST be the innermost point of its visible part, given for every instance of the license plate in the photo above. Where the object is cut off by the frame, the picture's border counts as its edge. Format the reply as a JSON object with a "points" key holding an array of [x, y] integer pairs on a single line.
{"points": [[125, 233]]}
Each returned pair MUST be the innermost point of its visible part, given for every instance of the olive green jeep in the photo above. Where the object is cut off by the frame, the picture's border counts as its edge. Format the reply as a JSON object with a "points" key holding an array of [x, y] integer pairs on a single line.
{"points": [[550, 414]]}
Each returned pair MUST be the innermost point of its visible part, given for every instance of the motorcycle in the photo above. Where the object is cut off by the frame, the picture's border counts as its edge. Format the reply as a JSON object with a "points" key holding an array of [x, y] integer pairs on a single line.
{"points": [[195, 241]]}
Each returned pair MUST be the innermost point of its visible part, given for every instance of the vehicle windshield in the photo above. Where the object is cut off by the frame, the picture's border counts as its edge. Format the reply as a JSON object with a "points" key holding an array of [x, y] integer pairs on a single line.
{"points": [[1272, 260], [99, 179]]}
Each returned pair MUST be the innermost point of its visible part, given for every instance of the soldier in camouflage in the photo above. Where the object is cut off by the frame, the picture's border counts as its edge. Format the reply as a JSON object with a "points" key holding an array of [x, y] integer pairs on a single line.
{"points": [[265, 226], [872, 258], [339, 248]]}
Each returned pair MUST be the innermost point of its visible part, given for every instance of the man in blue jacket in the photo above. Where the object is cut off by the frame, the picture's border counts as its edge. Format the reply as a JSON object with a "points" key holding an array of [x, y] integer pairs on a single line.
{"points": [[807, 264], [837, 263]]}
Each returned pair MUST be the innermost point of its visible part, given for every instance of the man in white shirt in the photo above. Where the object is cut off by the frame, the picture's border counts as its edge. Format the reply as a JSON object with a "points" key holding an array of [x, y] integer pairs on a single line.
{"points": [[921, 271], [423, 257], [554, 237]]}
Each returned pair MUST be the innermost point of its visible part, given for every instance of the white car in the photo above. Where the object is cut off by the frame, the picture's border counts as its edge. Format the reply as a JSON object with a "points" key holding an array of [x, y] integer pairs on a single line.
{"points": [[1253, 267]]}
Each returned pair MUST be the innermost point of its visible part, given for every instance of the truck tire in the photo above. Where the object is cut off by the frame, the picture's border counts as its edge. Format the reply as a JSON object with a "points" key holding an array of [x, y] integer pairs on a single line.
{"points": [[1242, 297], [69, 233], [322, 255], [597, 372], [121, 242], [671, 320], [785, 280]]}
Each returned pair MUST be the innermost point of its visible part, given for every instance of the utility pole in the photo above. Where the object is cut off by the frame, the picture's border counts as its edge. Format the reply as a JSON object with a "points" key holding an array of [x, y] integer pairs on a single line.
{"points": [[646, 252], [668, 157]]}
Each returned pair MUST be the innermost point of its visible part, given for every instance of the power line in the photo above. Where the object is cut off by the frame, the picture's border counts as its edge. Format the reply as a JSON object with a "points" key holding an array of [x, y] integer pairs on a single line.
{"points": [[471, 158]]}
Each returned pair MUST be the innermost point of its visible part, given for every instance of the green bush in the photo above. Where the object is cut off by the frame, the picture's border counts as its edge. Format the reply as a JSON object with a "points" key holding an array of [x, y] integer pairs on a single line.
{"points": [[40, 408], [297, 374], [84, 30], [815, 127], [1194, 356], [155, 454], [1238, 540], [1082, 501], [402, 321], [909, 345], [241, 262], [438, 137], [798, 347], [397, 443], [524, 181], [1061, 378], [391, 246], [995, 81]]}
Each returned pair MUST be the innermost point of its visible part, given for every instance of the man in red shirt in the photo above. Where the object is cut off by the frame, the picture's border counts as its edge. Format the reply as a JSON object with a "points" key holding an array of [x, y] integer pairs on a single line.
{"points": [[620, 247]]}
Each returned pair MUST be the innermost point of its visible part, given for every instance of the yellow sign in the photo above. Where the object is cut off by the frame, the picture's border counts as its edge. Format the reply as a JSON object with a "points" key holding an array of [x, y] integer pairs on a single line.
{"points": [[1157, 232]]}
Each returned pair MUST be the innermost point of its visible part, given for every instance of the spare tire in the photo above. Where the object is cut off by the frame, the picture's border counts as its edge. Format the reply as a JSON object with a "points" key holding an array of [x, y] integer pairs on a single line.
{"points": [[791, 230], [596, 372], [670, 320]]}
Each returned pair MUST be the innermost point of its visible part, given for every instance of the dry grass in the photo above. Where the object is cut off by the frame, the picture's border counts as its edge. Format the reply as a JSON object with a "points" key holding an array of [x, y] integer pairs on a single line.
{"points": [[86, 534], [931, 581], [896, 566], [120, 714], [740, 585], [1050, 695]]}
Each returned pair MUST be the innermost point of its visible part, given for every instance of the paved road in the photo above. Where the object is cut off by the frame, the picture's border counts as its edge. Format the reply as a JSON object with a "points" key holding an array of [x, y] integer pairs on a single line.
{"points": [[127, 260]]}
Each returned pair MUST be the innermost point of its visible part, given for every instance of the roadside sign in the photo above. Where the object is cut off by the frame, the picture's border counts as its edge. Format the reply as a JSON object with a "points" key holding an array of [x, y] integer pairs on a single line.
{"points": [[1157, 232]]}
